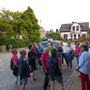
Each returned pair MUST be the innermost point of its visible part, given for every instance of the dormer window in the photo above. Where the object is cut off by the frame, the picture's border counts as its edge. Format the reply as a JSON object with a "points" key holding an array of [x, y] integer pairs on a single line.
{"points": [[73, 28], [77, 28]]}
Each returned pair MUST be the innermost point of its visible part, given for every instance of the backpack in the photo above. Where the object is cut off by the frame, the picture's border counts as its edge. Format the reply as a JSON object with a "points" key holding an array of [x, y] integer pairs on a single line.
{"points": [[53, 63], [11, 65]]}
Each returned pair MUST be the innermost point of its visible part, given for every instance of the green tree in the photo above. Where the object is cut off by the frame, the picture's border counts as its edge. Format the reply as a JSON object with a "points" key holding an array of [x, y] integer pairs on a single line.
{"points": [[5, 25], [54, 36], [31, 25], [14, 24]]}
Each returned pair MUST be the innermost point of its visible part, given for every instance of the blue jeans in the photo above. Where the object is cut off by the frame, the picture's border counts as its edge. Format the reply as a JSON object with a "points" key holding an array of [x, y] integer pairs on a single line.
{"points": [[77, 61], [69, 60], [64, 57]]}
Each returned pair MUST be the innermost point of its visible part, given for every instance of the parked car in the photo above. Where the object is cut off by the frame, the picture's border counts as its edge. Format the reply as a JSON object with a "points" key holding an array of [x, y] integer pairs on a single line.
{"points": [[53, 43], [45, 39]]}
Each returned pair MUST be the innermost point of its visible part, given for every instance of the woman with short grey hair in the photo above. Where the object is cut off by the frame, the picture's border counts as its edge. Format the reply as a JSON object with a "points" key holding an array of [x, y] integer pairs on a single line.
{"points": [[69, 55], [24, 71], [44, 61]]}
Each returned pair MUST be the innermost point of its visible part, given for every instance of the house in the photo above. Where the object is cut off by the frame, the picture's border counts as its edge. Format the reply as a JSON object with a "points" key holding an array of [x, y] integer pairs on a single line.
{"points": [[42, 33], [74, 30], [89, 31], [51, 30]]}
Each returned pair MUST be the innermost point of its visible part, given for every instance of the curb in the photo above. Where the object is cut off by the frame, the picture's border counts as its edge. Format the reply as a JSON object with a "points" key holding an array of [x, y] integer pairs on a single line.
{"points": [[68, 80]]}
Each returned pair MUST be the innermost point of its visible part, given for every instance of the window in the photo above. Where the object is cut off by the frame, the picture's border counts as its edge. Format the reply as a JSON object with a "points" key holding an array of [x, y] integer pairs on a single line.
{"points": [[73, 28], [84, 35], [77, 28], [65, 36], [74, 36], [78, 35]]}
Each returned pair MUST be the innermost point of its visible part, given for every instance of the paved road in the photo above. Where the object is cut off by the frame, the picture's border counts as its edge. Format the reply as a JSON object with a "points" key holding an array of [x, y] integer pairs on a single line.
{"points": [[76, 85], [7, 79]]}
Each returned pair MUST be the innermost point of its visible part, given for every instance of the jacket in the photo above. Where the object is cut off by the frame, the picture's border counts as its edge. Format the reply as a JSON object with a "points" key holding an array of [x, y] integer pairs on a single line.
{"points": [[24, 70]]}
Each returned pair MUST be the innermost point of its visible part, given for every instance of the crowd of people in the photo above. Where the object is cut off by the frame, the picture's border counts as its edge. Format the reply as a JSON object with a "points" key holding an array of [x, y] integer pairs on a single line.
{"points": [[51, 60]]}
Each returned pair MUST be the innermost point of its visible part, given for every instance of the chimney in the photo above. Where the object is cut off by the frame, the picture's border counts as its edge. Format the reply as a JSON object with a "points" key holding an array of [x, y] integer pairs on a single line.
{"points": [[73, 22]]}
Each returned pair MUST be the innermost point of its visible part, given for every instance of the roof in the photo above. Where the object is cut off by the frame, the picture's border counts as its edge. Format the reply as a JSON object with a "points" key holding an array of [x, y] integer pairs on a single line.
{"points": [[66, 27], [41, 28]]}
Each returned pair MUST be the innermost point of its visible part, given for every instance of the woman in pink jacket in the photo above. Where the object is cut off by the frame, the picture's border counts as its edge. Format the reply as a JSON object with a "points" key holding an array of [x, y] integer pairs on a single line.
{"points": [[15, 60], [77, 51], [45, 65]]}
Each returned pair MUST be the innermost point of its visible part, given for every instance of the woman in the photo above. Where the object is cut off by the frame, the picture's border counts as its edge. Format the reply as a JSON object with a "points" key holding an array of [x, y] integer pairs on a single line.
{"points": [[84, 67], [36, 55], [69, 55], [59, 48], [31, 60], [77, 51], [63, 52], [44, 61], [40, 48], [24, 71], [87, 43], [55, 69], [30, 57], [36, 50], [15, 60], [49, 48]]}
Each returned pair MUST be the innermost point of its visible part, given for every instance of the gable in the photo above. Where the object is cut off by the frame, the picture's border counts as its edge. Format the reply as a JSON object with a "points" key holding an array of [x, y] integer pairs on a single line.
{"points": [[67, 27]]}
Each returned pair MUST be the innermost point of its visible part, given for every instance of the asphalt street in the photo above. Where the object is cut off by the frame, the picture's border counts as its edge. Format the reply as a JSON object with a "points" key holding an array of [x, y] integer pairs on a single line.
{"points": [[7, 80]]}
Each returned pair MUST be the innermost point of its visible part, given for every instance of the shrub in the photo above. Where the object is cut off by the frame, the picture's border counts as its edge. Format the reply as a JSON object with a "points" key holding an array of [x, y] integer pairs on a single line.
{"points": [[64, 40], [27, 42], [23, 43], [7, 40], [81, 39]]}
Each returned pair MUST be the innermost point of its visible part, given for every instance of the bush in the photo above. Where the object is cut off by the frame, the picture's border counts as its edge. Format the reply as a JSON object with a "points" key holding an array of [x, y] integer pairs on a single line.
{"points": [[64, 40], [23, 43], [27, 42], [81, 39], [88, 39], [6, 40], [13, 42], [54, 36], [16, 43]]}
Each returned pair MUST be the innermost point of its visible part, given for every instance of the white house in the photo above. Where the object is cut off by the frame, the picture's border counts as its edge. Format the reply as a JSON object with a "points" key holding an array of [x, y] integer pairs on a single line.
{"points": [[74, 30]]}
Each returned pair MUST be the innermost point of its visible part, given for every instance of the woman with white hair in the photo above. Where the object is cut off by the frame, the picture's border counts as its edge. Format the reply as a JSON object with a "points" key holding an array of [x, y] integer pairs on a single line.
{"points": [[69, 55], [44, 61], [24, 71], [63, 52], [87, 43]]}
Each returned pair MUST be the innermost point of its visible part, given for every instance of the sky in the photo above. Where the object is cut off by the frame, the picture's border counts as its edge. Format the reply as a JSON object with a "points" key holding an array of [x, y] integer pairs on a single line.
{"points": [[52, 13]]}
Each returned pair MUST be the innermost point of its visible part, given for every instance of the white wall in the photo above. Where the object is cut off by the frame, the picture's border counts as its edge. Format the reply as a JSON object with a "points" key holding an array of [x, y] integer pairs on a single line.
{"points": [[75, 25], [62, 34], [84, 33], [77, 32]]}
